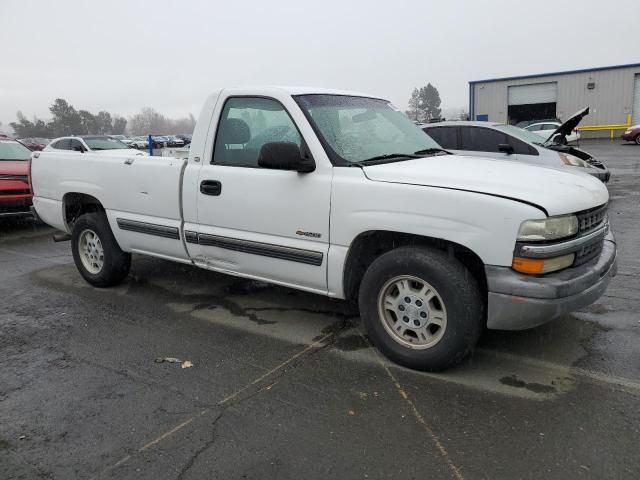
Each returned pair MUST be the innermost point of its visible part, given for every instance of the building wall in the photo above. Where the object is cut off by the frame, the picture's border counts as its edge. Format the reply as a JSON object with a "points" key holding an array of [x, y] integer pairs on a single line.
{"points": [[610, 101]]}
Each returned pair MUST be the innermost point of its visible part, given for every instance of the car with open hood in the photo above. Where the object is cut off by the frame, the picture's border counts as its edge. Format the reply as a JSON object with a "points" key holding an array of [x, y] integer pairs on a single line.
{"points": [[548, 128], [507, 142]]}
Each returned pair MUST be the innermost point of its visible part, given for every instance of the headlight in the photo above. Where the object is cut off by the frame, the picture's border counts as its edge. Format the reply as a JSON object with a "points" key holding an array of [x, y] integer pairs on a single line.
{"points": [[572, 160], [628, 130], [551, 228]]}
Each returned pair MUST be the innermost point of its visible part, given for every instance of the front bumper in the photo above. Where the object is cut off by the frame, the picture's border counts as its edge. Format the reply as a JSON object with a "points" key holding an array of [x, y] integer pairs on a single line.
{"points": [[602, 174], [517, 301], [15, 208]]}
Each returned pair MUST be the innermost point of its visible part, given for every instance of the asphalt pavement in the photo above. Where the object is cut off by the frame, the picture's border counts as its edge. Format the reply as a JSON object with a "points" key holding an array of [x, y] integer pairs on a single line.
{"points": [[284, 385]]}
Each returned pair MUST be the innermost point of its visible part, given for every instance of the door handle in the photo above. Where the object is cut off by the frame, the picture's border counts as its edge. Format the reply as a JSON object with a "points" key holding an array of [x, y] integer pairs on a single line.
{"points": [[211, 187]]}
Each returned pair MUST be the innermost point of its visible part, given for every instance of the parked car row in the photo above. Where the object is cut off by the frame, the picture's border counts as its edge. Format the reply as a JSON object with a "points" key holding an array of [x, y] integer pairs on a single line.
{"points": [[159, 141]]}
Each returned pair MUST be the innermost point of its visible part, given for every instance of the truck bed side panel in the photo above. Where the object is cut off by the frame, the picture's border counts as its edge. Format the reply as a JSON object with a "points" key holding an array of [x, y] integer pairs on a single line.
{"points": [[140, 195]]}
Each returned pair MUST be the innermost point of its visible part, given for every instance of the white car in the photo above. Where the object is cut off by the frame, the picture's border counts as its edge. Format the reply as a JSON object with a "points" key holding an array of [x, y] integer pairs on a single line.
{"points": [[140, 143], [100, 144], [507, 142], [340, 194], [123, 138], [547, 129]]}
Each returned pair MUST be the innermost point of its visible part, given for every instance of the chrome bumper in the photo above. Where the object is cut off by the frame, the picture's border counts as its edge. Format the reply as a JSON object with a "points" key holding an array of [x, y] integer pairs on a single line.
{"points": [[517, 301]]}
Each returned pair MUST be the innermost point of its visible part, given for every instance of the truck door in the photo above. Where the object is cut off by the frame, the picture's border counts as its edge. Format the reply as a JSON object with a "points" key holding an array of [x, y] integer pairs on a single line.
{"points": [[261, 223]]}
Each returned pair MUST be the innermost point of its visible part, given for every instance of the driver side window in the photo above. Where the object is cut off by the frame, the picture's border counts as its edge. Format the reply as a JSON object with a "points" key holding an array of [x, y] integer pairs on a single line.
{"points": [[245, 125]]}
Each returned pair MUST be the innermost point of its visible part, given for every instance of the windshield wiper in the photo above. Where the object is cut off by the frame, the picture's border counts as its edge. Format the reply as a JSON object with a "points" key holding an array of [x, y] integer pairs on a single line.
{"points": [[431, 151], [386, 158]]}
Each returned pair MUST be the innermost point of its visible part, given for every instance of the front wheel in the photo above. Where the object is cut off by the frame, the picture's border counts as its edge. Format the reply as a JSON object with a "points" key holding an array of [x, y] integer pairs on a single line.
{"points": [[638, 140], [421, 308], [96, 253]]}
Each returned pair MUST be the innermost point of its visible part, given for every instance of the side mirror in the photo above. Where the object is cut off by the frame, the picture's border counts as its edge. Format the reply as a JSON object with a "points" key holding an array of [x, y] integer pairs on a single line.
{"points": [[505, 148], [79, 148], [285, 156]]}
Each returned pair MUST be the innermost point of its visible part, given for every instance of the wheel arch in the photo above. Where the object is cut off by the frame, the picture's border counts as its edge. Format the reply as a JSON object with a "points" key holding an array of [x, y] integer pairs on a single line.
{"points": [[369, 245], [75, 204]]}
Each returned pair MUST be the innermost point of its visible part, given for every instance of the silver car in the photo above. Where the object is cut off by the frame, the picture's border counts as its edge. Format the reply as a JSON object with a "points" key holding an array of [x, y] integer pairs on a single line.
{"points": [[506, 142]]}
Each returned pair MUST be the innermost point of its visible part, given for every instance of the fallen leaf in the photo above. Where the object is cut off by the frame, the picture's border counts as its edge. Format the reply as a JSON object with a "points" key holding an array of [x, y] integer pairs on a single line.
{"points": [[186, 364], [351, 412], [168, 360]]}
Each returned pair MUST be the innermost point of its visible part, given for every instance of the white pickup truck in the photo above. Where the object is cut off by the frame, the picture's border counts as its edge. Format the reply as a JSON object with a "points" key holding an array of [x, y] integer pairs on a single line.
{"points": [[340, 194]]}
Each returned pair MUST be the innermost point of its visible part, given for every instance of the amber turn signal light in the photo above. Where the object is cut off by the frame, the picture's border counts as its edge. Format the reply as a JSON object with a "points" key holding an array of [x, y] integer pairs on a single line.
{"points": [[535, 266]]}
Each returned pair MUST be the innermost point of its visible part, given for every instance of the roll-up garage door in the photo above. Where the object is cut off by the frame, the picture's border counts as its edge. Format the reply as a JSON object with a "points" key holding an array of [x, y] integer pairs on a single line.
{"points": [[636, 101], [535, 93]]}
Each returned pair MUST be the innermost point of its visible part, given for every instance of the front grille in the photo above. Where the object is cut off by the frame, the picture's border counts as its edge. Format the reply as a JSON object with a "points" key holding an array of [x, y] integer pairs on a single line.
{"points": [[591, 219], [20, 178], [20, 191], [15, 206], [588, 252]]}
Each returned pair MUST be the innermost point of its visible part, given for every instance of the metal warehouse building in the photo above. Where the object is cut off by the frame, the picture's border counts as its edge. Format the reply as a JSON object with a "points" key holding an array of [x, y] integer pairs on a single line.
{"points": [[612, 93]]}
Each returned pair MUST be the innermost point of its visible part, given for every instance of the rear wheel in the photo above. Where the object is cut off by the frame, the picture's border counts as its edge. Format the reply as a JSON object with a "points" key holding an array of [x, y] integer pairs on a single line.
{"points": [[421, 308], [96, 253]]}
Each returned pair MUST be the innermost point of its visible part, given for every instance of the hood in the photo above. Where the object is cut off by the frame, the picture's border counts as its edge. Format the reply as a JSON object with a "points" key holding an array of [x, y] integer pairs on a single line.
{"points": [[20, 167], [557, 191], [569, 125]]}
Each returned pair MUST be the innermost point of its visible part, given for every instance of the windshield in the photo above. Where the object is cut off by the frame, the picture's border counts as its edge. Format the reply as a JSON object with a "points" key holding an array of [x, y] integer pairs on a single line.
{"points": [[10, 150], [524, 135], [104, 143], [357, 128]]}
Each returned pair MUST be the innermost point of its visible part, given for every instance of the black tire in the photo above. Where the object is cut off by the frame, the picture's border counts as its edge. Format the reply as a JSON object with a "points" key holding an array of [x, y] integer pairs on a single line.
{"points": [[637, 140], [456, 288], [115, 263]]}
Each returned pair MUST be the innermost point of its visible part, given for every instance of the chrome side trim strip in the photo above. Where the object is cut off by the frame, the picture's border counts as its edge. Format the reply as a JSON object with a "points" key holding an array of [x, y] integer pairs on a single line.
{"points": [[148, 228], [557, 249], [190, 236], [299, 255]]}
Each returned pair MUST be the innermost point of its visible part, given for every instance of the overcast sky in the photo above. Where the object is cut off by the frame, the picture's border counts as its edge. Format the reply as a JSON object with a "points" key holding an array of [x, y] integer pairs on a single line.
{"points": [[121, 56]]}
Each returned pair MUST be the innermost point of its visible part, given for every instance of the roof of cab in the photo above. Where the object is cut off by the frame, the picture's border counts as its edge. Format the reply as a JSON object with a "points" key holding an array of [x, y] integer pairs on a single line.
{"points": [[299, 90]]}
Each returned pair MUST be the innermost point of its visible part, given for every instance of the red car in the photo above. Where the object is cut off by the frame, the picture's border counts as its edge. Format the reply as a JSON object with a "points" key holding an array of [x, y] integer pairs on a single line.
{"points": [[15, 191], [632, 134], [35, 144]]}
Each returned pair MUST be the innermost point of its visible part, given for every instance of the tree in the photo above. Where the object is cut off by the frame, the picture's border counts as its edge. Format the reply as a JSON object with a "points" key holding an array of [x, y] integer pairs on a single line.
{"points": [[430, 102], [66, 120], [104, 123], [119, 125], [24, 128], [89, 124], [414, 104], [424, 103], [148, 121]]}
